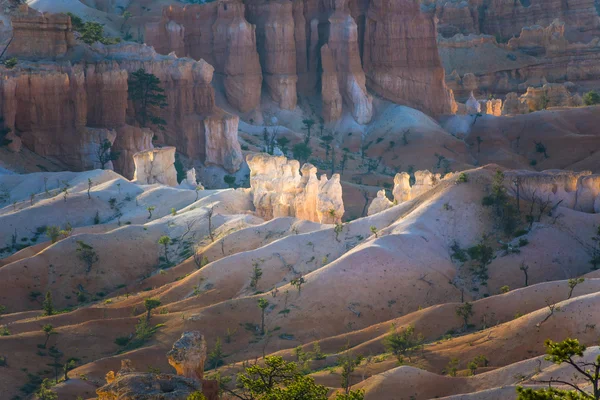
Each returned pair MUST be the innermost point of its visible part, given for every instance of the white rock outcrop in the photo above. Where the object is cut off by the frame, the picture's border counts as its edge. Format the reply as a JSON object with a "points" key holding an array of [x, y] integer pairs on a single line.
{"points": [[473, 106], [380, 203], [280, 189], [155, 166]]}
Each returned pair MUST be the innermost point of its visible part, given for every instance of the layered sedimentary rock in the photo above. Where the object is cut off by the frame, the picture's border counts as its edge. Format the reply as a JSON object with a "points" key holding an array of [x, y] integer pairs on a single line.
{"points": [[219, 33], [276, 43], [65, 111], [513, 104], [281, 189], [401, 58], [36, 35], [188, 355], [155, 166], [505, 18], [341, 61], [298, 40]]}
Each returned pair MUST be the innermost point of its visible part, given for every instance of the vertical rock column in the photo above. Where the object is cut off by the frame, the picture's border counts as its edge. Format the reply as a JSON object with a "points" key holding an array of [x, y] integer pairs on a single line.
{"points": [[235, 52], [341, 57], [275, 37]]}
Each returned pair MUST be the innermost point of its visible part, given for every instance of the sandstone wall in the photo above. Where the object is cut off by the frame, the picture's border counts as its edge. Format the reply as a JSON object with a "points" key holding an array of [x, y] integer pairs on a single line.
{"points": [[155, 166]]}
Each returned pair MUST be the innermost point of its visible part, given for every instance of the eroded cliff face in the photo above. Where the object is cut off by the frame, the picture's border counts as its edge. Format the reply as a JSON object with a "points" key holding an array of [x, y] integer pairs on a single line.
{"points": [[347, 46], [401, 59], [155, 166], [281, 189], [505, 18], [65, 111]]}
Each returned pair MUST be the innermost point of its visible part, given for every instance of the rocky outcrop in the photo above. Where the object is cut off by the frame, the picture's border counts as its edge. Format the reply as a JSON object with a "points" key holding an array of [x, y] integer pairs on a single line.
{"points": [[380, 203], [128, 384], [575, 190], [280, 189], [423, 181], [276, 43], [218, 33], [188, 355], [401, 58], [472, 105], [39, 36], [155, 166], [514, 105], [550, 95], [341, 61], [505, 18], [65, 111]]}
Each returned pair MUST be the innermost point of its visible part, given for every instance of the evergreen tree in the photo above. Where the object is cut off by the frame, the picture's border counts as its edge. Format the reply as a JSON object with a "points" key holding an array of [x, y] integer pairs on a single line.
{"points": [[47, 305], [148, 97]]}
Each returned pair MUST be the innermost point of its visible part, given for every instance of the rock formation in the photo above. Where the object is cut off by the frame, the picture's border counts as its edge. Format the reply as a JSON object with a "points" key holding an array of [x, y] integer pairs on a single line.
{"points": [[514, 105], [423, 181], [39, 36], [299, 39], [550, 95], [64, 111], [155, 166], [280, 189], [576, 190], [276, 43], [380, 203], [473, 106], [188, 355], [341, 61], [401, 58]]}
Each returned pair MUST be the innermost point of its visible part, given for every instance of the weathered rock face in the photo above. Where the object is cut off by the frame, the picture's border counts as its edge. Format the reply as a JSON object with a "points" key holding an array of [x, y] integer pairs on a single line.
{"points": [[424, 181], [575, 190], [155, 166], [128, 384], [64, 111], [514, 105], [342, 57], [401, 58], [40, 36], [276, 43], [380, 203], [550, 95], [298, 40], [505, 18], [188, 355], [280, 189]]}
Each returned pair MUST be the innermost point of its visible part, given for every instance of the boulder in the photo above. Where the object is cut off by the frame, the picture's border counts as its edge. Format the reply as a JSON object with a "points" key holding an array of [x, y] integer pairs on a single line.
{"points": [[188, 355]]}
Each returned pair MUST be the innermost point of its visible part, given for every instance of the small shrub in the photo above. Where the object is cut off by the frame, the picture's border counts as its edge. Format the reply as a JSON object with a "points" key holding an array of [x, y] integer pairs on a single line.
{"points": [[462, 178]]}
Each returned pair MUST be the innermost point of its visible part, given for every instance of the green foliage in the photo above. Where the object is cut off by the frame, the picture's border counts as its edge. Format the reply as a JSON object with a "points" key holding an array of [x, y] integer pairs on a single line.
{"points": [[105, 153], [229, 180], [196, 396], [255, 276], [76, 21], [53, 232], [452, 367], [573, 283], [150, 304], [465, 311], [505, 289], [215, 357], [505, 211], [548, 394], [301, 152], [148, 97], [462, 178], [91, 32], [45, 392], [277, 380], [403, 343], [11, 62], [351, 395], [591, 98], [48, 305], [87, 254]]}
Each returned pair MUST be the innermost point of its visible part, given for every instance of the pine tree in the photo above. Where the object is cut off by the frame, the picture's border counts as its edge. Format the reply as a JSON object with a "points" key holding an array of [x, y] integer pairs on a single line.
{"points": [[47, 305], [147, 96]]}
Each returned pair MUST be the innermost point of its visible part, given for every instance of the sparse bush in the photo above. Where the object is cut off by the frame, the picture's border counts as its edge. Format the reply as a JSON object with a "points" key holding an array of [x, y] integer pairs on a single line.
{"points": [[462, 178], [465, 311], [591, 98], [403, 343]]}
